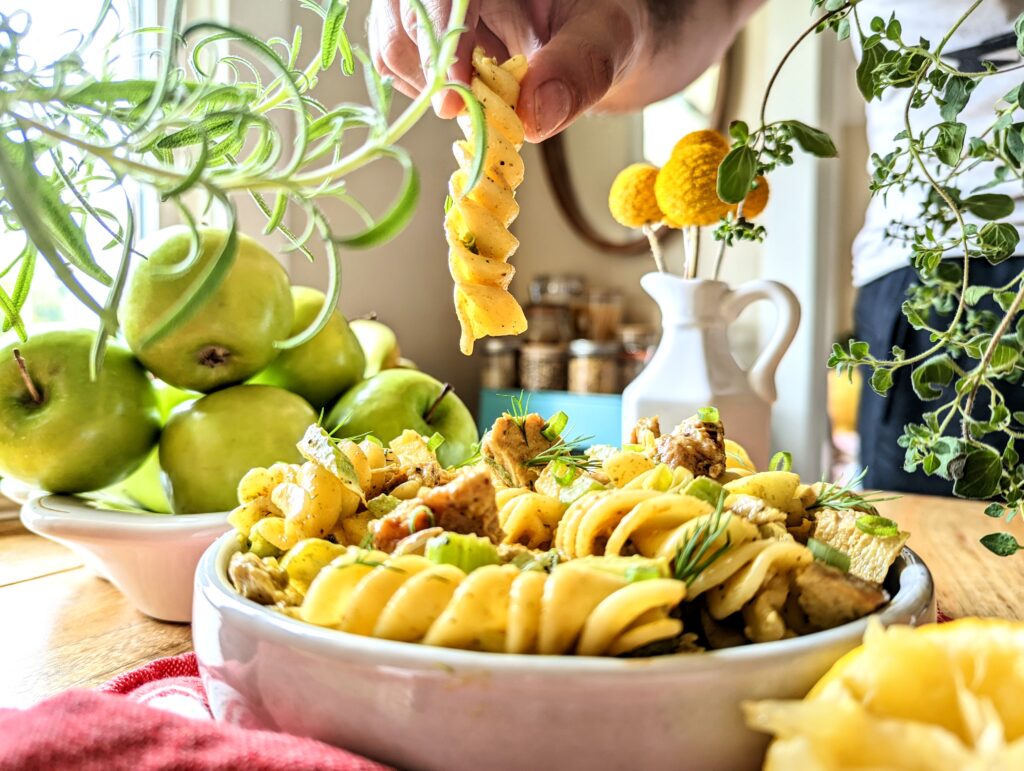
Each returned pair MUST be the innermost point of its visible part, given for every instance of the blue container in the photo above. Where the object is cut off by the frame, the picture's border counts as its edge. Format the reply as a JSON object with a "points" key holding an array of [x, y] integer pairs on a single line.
{"points": [[597, 416]]}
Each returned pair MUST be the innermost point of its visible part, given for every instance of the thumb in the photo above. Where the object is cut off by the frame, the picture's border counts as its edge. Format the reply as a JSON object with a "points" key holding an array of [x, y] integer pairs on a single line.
{"points": [[574, 69]]}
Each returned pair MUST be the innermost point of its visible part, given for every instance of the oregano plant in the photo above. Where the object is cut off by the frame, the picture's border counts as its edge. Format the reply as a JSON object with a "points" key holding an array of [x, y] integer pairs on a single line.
{"points": [[975, 354]]}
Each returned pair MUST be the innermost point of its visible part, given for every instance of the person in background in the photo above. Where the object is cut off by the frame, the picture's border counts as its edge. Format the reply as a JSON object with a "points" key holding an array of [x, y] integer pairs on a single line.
{"points": [[620, 55]]}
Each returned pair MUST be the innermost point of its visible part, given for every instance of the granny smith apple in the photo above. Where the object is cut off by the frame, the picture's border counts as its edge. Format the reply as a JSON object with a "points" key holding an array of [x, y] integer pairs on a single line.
{"points": [[209, 444], [73, 434], [229, 336], [379, 343], [397, 399], [320, 369], [145, 485]]}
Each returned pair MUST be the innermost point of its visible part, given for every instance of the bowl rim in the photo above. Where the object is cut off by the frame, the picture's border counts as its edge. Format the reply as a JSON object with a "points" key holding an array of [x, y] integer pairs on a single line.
{"points": [[73, 515], [915, 597]]}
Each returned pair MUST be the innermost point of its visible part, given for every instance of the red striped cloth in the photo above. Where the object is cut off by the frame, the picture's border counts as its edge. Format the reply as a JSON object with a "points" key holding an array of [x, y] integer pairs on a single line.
{"points": [[155, 717]]}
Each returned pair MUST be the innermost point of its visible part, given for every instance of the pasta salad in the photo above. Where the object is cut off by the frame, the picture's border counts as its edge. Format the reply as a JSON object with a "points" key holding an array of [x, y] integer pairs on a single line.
{"points": [[673, 543]]}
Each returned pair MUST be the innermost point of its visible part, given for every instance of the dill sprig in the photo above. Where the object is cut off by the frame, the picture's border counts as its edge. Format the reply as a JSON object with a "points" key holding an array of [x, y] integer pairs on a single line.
{"points": [[692, 558], [843, 497]]}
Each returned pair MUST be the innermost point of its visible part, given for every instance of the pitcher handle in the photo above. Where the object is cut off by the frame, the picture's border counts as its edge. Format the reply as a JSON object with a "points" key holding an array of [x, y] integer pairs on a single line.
{"points": [[762, 374]]}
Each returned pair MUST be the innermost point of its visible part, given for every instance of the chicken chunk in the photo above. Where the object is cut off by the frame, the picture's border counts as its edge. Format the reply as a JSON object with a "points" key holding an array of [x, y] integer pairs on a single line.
{"points": [[754, 509], [511, 444], [259, 580], [695, 445], [830, 597], [465, 505], [870, 555], [645, 427]]}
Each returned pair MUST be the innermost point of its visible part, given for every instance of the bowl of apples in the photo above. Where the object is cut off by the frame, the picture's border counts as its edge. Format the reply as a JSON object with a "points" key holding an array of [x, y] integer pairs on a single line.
{"points": [[135, 464]]}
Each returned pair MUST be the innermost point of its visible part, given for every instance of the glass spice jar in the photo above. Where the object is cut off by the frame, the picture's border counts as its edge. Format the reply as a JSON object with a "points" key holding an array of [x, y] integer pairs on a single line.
{"points": [[558, 289], [542, 366], [593, 367], [499, 363], [548, 324], [601, 314], [639, 342]]}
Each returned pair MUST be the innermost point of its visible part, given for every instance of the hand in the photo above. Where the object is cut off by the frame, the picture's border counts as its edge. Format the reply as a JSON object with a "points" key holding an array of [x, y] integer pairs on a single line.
{"points": [[581, 52]]}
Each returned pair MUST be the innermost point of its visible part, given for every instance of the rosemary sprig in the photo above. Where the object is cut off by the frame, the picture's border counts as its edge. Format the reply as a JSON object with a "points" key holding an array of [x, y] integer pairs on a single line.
{"points": [[842, 497], [199, 135], [692, 558], [567, 452]]}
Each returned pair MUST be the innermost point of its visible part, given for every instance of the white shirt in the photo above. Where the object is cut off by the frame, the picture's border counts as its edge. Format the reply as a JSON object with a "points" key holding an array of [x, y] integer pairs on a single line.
{"points": [[874, 253]]}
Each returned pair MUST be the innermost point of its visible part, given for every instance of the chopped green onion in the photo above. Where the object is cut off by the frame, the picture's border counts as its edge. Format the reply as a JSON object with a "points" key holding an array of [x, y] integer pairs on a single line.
{"points": [[830, 556], [636, 573], [465, 551], [435, 441], [412, 518], [781, 461], [448, 202], [563, 473], [706, 489], [708, 415], [872, 524], [381, 505], [555, 426]]}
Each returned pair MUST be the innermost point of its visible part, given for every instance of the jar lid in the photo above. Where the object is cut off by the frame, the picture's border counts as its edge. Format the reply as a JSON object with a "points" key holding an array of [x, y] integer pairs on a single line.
{"points": [[507, 344], [604, 293], [583, 348], [546, 310], [551, 350], [642, 334]]}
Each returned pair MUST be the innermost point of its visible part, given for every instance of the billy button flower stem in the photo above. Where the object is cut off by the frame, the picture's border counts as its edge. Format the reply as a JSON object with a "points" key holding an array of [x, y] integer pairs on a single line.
{"points": [[33, 392]]}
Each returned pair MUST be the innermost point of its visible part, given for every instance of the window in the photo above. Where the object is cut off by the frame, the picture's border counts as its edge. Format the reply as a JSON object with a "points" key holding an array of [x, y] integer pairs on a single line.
{"points": [[50, 36]]}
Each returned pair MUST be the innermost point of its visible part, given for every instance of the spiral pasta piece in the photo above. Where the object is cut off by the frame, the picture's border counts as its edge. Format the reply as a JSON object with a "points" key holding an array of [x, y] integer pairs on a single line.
{"points": [[528, 518], [498, 608], [476, 225]]}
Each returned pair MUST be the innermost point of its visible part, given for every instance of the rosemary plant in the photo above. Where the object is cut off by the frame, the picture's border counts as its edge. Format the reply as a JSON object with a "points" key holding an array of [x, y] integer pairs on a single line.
{"points": [[207, 127], [974, 352]]}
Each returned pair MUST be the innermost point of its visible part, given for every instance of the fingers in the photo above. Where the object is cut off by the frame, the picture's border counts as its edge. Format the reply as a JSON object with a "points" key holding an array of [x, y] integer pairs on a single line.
{"points": [[575, 68], [393, 52], [446, 104]]}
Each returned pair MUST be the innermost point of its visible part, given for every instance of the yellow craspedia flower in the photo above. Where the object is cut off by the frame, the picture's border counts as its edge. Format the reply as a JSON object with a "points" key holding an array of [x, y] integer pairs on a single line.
{"points": [[702, 137], [631, 199], [686, 187], [756, 199]]}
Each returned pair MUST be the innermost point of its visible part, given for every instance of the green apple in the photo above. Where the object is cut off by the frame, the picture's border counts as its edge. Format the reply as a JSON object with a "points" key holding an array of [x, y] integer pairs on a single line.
{"points": [[379, 343], [80, 434], [230, 335], [209, 444], [319, 370], [397, 399], [144, 486]]}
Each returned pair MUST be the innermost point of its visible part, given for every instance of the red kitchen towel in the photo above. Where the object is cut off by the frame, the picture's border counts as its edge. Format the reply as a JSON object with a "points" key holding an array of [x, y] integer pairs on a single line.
{"points": [[137, 722]]}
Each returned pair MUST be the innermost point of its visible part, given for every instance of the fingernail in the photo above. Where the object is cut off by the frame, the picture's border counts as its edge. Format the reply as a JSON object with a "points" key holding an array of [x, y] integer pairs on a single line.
{"points": [[552, 104]]}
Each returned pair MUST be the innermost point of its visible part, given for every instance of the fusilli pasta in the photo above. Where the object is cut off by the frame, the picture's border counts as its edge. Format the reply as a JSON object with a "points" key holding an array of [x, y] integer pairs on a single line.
{"points": [[476, 225], [528, 518], [577, 608]]}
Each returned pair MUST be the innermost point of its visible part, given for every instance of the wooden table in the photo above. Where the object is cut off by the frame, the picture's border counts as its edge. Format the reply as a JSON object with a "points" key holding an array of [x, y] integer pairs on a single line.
{"points": [[63, 627]]}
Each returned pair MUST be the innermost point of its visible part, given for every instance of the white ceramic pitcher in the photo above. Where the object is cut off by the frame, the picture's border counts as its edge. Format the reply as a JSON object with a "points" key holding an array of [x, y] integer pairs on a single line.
{"points": [[693, 366]]}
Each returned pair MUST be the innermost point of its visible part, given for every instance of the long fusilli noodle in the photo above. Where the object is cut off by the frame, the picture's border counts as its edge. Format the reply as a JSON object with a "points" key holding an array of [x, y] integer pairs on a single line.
{"points": [[476, 225]]}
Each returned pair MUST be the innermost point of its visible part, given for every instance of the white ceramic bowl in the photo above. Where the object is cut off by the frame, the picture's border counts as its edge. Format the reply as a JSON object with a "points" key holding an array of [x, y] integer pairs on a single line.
{"points": [[421, 707], [151, 558]]}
